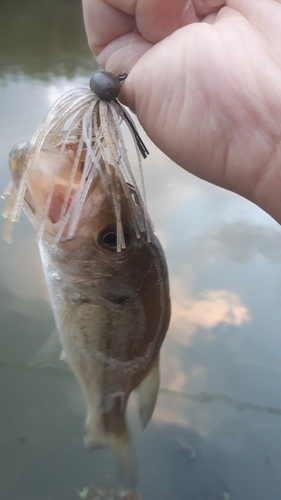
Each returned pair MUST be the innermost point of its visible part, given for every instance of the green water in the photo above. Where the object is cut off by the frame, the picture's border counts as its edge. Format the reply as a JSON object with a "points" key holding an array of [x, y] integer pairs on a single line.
{"points": [[216, 431]]}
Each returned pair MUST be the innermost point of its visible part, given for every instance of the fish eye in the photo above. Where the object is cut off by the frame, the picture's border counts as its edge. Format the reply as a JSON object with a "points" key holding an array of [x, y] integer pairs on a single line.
{"points": [[110, 240], [107, 239]]}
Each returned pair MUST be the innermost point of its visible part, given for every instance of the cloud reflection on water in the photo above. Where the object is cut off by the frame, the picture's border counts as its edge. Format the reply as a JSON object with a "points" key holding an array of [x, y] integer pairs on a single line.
{"points": [[242, 241], [214, 307]]}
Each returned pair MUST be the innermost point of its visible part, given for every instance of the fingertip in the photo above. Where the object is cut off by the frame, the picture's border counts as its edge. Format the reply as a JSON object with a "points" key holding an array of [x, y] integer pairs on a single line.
{"points": [[204, 7], [189, 15], [122, 54], [157, 19], [104, 24]]}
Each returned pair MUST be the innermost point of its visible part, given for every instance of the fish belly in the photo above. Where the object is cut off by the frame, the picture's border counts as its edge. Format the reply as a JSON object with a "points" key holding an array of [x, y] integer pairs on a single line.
{"points": [[111, 353]]}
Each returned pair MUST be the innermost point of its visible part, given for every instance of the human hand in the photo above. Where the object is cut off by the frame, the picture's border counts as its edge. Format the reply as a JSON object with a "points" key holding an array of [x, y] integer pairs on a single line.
{"points": [[207, 93]]}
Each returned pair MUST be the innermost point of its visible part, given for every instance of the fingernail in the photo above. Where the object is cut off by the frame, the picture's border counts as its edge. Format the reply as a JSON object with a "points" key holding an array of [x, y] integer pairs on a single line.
{"points": [[204, 7], [211, 4], [188, 14]]}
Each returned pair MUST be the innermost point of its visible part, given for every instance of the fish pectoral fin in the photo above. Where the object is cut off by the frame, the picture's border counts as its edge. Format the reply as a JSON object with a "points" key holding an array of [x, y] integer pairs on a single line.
{"points": [[147, 393], [49, 350], [49, 354], [63, 356]]}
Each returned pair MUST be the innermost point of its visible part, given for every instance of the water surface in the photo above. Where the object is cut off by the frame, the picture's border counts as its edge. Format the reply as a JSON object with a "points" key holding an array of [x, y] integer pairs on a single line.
{"points": [[216, 431]]}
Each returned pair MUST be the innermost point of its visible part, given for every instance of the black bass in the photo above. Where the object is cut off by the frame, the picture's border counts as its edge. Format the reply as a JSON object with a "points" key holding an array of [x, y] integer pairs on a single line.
{"points": [[103, 264]]}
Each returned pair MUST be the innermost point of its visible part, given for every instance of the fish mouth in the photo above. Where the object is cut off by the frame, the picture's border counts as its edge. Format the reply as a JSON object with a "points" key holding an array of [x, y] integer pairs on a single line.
{"points": [[54, 193], [68, 194]]}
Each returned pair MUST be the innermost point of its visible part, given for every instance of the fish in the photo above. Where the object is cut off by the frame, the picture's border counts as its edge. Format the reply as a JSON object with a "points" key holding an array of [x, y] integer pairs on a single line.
{"points": [[104, 266]]}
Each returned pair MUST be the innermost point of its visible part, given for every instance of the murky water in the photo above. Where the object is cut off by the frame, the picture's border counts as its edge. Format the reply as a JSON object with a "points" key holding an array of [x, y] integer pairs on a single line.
{"points": [[216, 431]]}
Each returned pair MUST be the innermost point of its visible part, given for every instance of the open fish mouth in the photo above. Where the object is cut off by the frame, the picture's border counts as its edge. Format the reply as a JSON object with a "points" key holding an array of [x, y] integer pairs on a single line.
{"points": [[52, 188], [76, 157]]}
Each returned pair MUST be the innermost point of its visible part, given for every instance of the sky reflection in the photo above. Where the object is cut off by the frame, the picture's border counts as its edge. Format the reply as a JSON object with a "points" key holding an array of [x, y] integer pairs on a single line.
{"points": [[217, 412]]}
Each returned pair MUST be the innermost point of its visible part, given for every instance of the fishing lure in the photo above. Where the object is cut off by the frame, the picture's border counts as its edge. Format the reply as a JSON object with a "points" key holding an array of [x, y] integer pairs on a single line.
{"points": [[88, 123]]}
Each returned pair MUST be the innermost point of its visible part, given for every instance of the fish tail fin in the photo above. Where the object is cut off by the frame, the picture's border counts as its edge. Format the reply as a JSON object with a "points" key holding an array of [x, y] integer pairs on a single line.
{"points": [[125, 459], [147, 393], [119, 443], [95, 438]]}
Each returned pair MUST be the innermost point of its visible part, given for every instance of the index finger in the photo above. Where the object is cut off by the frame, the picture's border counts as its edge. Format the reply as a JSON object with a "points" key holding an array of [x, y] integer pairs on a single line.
{"points": [[109, 20], [105, 23]]}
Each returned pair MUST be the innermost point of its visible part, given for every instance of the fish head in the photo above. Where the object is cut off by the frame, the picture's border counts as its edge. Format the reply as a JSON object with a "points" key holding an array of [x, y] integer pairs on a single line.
{"points": [[90, 248], [73, 206]]}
